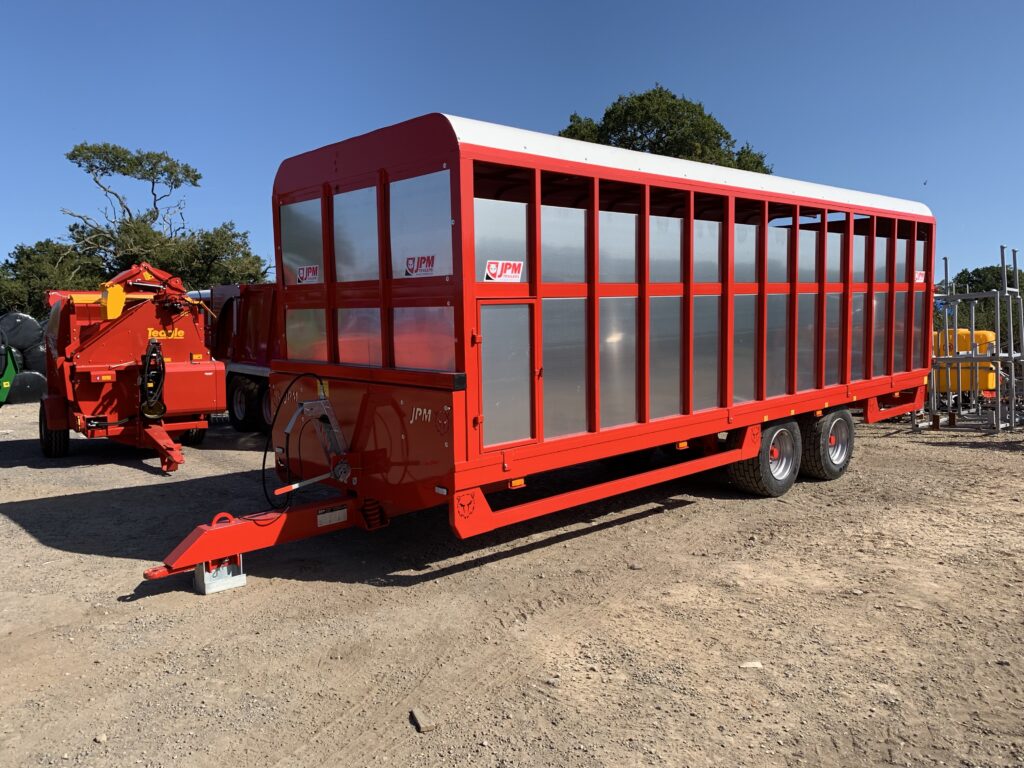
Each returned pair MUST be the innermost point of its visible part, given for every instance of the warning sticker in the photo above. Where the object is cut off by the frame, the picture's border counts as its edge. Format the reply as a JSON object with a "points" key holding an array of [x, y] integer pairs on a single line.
{"points": [[919, 276], [419, 266], [503, 271], [331, 516], [308, 274]]}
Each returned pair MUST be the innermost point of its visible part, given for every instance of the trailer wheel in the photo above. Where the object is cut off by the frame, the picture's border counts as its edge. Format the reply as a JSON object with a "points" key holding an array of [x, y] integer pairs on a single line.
{"points": [[773, 471], [243, 408], [54, 442], [828, 446], [192, 437], [266, 411]]}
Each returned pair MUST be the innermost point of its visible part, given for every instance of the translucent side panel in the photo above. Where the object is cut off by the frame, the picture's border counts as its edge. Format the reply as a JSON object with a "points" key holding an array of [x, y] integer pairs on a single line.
{"points": [[778, 254], [707, 241], [880, 364], [857, 333], [305, 333], [777, 364], [881, 259], [745, 253], [807, 259], [500, 232], [860, 258], [920, 262], [833, 334], [666, 350], [618, 361], [565, 366], [901, 260], [302, 243], [617, 252], [506, 372], [921, 339], [425, 338], [359, 336], [563, 233], [355, 236], [834, 257], [706, 343], [900, 339], [744, 348], [421, 226], [666, 249], [807, 347]]}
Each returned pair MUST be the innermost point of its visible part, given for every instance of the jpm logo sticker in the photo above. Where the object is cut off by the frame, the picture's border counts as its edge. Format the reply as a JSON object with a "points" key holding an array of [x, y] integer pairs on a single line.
{"points": [[503, 271], [421, 416], [419, 266], [169, 333], [308, 274]]}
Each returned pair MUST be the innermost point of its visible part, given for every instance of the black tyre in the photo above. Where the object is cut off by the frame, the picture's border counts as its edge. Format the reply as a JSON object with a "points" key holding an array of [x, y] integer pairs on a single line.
{"points": [[828, 445], [243, 404], [192, 437], [266, 408], [21, 330], [773, 471], [27, 387], [54, 442]]}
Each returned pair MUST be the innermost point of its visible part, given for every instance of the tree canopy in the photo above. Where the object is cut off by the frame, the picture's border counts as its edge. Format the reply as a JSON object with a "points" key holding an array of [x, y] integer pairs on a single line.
{"points": [[660, 122], [97, 246]]}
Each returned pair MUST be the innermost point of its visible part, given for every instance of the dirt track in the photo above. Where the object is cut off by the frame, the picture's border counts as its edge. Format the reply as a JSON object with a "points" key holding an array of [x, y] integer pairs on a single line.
{"points": [[887, 619]]}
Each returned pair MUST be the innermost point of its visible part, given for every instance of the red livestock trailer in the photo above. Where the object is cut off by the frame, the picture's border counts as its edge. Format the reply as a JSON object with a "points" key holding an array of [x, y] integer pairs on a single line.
{"points": [[466, 305]]}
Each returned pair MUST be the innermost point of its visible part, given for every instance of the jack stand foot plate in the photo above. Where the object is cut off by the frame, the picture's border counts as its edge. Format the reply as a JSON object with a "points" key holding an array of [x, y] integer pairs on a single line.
{"points": [[227, 575]]}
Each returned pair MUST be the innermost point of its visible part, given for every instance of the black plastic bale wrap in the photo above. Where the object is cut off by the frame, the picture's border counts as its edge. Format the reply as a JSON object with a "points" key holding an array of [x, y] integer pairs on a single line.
{"points": [[27, 387], [20, 330], [35, 358]]}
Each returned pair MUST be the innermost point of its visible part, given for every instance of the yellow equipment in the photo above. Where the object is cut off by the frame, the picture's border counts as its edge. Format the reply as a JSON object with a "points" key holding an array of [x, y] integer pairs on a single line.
{"points": [[962, 375]]}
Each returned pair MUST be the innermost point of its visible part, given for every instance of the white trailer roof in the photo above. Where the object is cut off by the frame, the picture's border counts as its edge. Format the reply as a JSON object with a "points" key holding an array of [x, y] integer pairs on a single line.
{"points": [[479, 133]]}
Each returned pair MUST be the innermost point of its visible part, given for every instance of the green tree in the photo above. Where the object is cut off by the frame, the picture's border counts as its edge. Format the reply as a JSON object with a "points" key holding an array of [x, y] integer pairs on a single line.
{"points": [[660, 122], [98, 246]]}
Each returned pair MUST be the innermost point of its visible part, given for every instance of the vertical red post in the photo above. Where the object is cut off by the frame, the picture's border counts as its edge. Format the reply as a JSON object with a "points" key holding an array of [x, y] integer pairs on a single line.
{"points": [[794, 298], [536, 266], [644, 308], [869, 302], [593, 316], [384, 254], [762, 304], [846, 336], [727, 301], [820, 333], [687, 338]]}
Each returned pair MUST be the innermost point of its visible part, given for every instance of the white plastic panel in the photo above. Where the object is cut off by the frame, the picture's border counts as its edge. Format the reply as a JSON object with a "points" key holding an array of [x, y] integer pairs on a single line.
{"points": [[858, 332], [302, 243], [777, 343], [745, 253], [421, 226], [833, 334], [565, 366], [920, 261], [506, 372], [359, 336], [707, 337], [744, 348], [665, 356], [483, 134], [880, 361], [500, 238], [707, 251], [563, 233], [425, 338], [666, 249], [900, 339], [617, 247], [860, 258], [807, 347], [305, 333], [356, 254], [807, 258], [618, 360], [778, 254]]}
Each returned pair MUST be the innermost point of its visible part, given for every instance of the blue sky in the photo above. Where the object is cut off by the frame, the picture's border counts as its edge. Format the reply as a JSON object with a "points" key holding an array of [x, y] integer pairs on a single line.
{"points": [[878, 96]]}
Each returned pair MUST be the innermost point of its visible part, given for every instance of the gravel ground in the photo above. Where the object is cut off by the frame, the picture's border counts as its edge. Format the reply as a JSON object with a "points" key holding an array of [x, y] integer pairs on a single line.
{"points": [[874, 620]]}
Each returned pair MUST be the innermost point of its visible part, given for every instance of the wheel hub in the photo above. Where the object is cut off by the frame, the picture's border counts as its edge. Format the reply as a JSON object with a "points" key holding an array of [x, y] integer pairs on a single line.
{"points": [[839, 438], [782, 454]]}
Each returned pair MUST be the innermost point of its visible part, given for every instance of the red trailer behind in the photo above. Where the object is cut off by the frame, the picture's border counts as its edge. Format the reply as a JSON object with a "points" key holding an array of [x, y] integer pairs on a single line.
{"points": [[465, 305]]}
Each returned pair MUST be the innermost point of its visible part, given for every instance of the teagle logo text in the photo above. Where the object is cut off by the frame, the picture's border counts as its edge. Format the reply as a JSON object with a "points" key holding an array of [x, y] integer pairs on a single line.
{"points": [[160, 333]]}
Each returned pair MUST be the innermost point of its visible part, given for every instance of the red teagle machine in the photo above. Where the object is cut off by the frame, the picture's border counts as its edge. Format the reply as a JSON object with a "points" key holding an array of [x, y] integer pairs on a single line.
{"points": [[129, 362]]}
